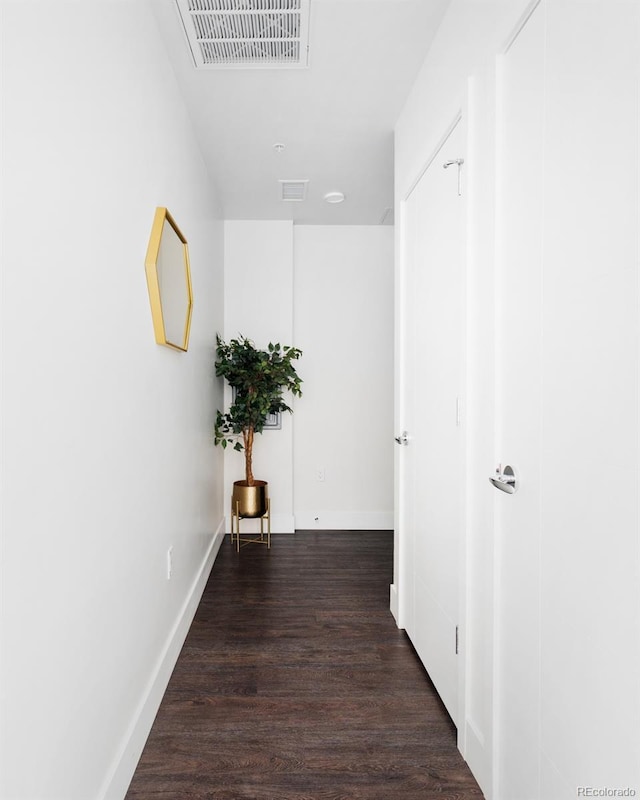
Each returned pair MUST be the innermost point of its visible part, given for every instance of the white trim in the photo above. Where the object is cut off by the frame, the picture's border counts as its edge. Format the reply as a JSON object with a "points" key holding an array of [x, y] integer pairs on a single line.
{"points": [[475, 754], [498, 255], [519, 26], [118, 778], [434, 154], [400, 573], [344, 520], [393, 602]]}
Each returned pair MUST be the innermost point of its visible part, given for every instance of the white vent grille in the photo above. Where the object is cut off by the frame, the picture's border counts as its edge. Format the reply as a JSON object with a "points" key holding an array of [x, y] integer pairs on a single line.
{"points": [[228, 34], [293, 190]]}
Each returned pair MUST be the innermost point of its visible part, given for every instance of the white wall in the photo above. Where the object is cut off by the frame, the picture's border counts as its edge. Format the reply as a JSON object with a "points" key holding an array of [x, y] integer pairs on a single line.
{"points": [[107, 449], [259, 305], [322, 289], [343, 300]]}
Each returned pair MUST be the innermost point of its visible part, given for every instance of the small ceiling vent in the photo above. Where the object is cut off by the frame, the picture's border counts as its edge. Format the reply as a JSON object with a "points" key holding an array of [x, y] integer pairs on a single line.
{"points": [[249, 34], [293, 190]]}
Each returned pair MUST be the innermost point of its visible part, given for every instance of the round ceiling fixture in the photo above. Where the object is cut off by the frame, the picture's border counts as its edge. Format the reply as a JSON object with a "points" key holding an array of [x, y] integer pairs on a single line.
{"points": [[334, 197]]}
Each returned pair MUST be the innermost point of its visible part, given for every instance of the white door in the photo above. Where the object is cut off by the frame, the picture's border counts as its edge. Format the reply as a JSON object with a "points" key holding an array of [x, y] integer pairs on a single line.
{"points": [[432, 367], [568, 566], [518, 377], [590, 545]]}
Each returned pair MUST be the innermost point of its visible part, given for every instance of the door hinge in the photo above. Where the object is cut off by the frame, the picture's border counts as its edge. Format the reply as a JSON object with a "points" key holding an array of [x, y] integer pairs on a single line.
{"points": [[457, 640]]}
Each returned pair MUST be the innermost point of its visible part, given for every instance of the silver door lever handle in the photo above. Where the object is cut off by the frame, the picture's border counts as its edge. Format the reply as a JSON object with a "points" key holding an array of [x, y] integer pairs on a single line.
{"points": [[505, 480]]}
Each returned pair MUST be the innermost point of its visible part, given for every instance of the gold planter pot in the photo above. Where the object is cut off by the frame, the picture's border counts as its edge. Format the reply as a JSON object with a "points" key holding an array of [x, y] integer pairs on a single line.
{"points": [[250, 502]]}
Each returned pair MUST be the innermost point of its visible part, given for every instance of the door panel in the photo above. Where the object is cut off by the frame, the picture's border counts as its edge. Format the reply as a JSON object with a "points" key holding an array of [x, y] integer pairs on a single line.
{"points": [[590, 548], [568, 654], [433, 369], [518, 375]]}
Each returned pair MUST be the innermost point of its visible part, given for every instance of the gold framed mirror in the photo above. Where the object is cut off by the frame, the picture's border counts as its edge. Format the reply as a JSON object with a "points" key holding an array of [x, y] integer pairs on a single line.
{"points": [[169, 282]]}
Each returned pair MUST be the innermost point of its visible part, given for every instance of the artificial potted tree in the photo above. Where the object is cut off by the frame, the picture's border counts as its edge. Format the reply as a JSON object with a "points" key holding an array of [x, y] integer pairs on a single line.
{"points": [[258, 378]]}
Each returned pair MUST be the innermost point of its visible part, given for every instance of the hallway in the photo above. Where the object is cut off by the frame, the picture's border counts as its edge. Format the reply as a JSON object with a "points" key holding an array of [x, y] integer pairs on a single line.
{"points": [[294, 683]]}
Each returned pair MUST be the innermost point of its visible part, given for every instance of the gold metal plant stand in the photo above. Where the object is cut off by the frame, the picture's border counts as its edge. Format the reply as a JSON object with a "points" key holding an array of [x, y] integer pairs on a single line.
{"points": [[250, 538]]}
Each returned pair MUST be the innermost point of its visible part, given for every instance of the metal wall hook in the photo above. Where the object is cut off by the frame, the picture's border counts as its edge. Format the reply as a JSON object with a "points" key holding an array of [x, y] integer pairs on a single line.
{"points": [[459, 162]]}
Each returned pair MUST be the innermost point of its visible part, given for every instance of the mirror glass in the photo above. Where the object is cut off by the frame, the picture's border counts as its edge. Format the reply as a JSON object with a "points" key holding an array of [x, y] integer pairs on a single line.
{"points": [[169, 281], [173, 285]]}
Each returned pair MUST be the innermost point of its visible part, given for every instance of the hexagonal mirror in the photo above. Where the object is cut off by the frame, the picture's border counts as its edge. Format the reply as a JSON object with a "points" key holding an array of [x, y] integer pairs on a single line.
{"points": [[169, 282]]}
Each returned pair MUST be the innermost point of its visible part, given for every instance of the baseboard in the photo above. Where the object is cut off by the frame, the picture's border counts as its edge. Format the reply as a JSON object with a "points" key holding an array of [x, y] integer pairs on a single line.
{"points": [[344, 520], [322, 521], [280, 523], [475, 754], [393, 601], [119, 777]]}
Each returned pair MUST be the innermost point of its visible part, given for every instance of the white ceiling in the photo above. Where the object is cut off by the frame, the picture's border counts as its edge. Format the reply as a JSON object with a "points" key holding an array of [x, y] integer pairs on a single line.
{"points": [[335, 118]]}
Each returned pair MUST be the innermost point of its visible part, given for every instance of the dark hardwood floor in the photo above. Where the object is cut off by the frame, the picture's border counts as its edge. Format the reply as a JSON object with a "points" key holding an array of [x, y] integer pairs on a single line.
{"points": [[294, 683]]}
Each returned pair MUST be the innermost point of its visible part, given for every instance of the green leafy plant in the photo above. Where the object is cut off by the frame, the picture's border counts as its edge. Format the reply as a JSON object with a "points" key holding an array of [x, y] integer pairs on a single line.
{"points": [[259, 378]]}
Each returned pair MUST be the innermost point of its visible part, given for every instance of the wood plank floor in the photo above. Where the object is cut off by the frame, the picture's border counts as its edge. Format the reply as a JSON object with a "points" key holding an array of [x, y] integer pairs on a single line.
{"points": [[294, 683]]}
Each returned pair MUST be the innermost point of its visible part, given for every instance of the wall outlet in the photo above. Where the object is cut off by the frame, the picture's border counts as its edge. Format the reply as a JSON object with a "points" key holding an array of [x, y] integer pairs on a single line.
{"points": [[169, 562], [320, 474]]}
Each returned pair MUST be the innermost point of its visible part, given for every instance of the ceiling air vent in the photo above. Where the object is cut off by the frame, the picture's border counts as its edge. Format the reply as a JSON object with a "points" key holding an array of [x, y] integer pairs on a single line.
{"points": [[249, 34], [293, 190]]}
